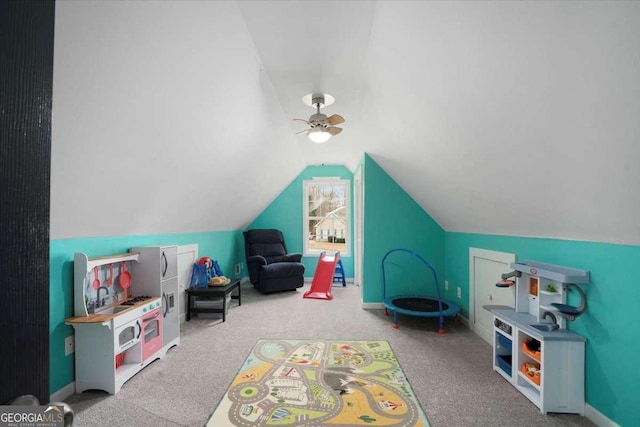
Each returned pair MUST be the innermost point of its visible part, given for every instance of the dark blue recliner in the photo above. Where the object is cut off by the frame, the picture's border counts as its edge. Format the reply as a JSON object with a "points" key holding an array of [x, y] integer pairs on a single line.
{"points": [[271, 268]]}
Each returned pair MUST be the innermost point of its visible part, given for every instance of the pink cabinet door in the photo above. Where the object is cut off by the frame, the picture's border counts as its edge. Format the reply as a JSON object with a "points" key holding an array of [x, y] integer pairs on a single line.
{"points": [[151, 333]]}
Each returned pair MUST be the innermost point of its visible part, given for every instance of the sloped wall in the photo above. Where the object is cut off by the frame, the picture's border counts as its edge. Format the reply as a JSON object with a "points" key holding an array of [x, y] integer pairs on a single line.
{"points": [[610, 323], [392, 219], [522, 112], [162, 117]]}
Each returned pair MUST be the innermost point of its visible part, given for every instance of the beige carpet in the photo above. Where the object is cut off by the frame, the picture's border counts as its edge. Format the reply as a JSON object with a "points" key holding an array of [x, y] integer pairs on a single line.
{"points": [[450, 374]]}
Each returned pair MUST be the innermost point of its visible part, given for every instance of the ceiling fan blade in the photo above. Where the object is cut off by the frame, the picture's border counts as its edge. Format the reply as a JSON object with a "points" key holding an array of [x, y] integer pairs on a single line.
{"points": [[302, 120], [335, 119], [302, 131], [334, 130]]}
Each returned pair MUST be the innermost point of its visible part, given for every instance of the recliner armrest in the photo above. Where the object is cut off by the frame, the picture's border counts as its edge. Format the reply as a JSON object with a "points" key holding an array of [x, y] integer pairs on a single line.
{"points": [[257, 259], [292, 258]]}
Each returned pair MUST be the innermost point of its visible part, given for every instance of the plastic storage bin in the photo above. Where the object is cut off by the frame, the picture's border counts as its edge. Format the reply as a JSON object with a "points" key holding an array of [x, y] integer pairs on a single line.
{"points": [[532, 372], [533, 354], [504, 342], [119, 360], [504, 363]]}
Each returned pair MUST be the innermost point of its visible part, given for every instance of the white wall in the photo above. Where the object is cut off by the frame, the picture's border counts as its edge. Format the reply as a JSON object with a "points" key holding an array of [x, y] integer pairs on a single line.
{"points": [[163, 121], [517, 118]]}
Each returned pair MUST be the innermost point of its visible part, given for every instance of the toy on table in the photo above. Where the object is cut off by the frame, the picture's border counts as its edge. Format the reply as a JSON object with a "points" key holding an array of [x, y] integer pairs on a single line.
{"points": [[206, 272]]}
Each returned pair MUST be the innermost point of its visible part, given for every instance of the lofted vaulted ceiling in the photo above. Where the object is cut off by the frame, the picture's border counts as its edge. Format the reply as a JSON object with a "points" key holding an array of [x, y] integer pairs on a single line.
{"points": [[516, 118]]}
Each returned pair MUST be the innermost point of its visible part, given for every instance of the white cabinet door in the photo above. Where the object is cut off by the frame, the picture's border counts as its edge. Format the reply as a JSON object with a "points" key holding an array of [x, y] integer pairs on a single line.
{"points": [[485, 268], [170, 314], [187, 256], [168, 262]]}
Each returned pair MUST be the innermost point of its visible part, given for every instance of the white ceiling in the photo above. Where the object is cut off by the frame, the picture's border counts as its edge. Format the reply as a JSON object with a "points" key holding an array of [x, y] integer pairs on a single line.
{"points": [[516, 118]]}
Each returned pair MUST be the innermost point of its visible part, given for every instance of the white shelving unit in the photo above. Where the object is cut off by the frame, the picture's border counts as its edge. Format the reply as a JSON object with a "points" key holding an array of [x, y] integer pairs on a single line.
{"points": [[556, 381], [83, 277], [532, 295], [560, 387], [96, 349], [97, 334]]}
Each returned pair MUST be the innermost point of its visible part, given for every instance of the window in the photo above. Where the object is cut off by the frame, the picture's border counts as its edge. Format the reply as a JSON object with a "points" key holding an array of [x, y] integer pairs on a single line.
{"points": [[326, 216]]}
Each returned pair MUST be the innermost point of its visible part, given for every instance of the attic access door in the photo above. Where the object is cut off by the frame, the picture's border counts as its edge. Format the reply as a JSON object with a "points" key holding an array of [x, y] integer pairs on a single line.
{"points": [[485, 268]]}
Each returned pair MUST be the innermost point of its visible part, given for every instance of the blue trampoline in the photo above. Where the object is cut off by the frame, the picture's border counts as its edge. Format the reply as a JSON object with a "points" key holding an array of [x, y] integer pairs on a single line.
{"points": [[415, 305]]}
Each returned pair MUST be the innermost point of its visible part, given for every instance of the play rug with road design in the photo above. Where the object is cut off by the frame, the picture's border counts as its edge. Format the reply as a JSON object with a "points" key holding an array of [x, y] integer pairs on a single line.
{"points": [[319, 383]]}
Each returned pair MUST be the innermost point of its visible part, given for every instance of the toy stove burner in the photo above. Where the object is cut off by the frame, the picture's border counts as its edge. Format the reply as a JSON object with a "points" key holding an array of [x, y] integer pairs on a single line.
{"points": [[135, 300]]}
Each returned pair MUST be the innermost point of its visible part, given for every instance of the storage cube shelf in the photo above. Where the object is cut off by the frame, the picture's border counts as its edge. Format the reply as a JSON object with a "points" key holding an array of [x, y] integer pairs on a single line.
{"points": [[531, 372], [503, 353], [558, 386], [504, 363], [532, 288], [504, 342], [550, 370], [535, 355]]}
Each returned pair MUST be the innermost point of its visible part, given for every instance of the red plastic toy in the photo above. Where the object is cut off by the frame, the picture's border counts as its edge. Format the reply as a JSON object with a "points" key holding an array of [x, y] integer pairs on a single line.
{"points": [[323, 277]]}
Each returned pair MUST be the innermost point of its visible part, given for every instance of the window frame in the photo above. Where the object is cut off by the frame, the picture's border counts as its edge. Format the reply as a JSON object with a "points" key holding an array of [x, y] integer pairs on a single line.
{"points": [[305, 213]]}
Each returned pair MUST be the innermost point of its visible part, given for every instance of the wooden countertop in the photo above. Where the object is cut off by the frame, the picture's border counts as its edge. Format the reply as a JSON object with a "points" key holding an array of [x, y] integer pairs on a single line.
{"points": [[100, 318]]}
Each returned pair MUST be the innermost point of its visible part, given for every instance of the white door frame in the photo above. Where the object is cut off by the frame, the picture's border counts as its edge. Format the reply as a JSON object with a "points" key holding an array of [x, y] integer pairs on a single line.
{"points": [[501, 257], [184, 281], [357, 225]]}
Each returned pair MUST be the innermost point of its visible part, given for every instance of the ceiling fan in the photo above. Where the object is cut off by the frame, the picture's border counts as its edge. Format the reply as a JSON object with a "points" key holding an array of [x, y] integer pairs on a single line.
{"points": [[321, 127]]}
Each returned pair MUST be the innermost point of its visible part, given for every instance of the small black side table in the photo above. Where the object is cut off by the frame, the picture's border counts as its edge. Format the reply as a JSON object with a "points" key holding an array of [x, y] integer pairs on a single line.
{"points": [[213, 291]]}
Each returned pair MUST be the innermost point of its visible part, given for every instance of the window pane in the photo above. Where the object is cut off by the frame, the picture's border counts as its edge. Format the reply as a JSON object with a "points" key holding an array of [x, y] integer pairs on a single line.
{"points": [[319, 246], [327, 216]]}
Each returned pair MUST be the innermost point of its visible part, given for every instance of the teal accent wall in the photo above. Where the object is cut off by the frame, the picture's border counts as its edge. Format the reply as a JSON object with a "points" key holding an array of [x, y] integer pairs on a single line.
{"points": [[224, 246], [285, 214], [392, 219], [610, 324]]}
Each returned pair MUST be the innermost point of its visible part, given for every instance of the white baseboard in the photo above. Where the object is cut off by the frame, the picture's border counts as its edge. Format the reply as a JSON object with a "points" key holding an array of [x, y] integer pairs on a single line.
{"points": [[597, 417], [63, 393], [371, 305], [464, 321]]}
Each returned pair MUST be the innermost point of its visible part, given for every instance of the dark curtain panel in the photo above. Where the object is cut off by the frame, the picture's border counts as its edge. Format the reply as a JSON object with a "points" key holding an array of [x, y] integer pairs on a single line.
{"points": [[26, 75]]}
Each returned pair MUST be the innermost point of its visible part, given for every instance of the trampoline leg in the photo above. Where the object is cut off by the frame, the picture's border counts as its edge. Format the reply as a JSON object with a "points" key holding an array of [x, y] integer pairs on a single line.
{"points": [[456, 319], [441, 331], [395, 320], [386, 313]]}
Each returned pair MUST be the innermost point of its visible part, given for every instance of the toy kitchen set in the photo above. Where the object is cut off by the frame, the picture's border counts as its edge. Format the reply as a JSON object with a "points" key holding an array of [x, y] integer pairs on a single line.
{"points": [[532, 349], [123, 323]]}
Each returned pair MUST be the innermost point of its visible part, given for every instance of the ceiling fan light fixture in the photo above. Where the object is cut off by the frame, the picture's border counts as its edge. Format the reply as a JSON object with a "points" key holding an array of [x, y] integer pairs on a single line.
{"points": [[322, 128], [319, 135]]}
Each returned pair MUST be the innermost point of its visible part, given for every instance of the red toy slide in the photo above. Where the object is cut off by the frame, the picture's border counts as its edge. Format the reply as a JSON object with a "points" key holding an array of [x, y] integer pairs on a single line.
{"points": [[323, 277]]}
